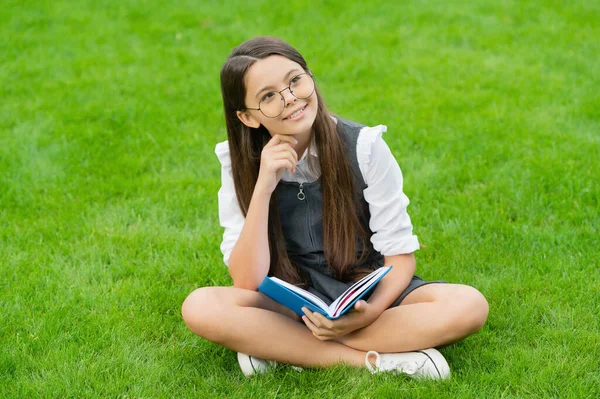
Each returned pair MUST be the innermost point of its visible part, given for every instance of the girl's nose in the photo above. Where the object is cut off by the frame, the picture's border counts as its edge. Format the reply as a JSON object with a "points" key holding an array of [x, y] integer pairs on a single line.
{"points": [[288, 97]]}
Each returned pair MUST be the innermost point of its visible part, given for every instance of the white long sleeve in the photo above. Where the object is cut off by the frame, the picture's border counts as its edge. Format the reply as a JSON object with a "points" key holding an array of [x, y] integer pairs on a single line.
{"points": [[390, 222]]}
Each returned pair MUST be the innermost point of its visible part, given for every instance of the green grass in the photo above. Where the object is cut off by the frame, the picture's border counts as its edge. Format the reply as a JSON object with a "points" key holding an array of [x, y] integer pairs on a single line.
{"points": [[109, 114]]}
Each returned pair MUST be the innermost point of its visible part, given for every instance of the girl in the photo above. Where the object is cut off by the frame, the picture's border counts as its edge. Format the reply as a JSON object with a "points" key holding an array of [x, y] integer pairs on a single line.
{"points": [[317, 201]]}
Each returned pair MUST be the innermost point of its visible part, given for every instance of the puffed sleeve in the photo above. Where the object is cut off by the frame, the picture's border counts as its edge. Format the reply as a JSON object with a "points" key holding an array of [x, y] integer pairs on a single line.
{"points": [[231, 217], [389, 221]]}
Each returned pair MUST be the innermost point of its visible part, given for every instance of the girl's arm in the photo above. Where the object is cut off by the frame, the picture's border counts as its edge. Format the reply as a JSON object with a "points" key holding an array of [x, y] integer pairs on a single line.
{"points": [[390, 222], [393, 284], [250, 259]]}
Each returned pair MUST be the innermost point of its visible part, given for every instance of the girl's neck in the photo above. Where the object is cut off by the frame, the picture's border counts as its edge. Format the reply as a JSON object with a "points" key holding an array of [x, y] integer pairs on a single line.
{"points": [[303, 143]]}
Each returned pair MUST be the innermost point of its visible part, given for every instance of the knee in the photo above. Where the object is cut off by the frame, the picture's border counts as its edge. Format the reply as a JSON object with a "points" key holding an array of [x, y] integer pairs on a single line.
{"points": [[199, 310], [466, 313], [474, 310]]}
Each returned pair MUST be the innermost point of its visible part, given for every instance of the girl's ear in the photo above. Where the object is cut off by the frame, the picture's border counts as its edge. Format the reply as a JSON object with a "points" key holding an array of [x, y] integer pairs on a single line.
{"points": [[247, 119]]}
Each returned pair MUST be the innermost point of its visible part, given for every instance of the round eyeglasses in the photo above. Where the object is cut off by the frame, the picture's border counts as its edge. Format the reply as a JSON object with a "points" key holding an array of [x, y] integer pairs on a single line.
{"points": [[272, 103]]}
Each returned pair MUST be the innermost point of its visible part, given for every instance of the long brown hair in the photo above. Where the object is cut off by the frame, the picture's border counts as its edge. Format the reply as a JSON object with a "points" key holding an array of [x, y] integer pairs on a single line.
{"points": [[342, 229]]}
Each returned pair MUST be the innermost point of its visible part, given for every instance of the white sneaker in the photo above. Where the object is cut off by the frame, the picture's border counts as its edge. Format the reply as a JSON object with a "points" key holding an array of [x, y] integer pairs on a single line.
{"points": [[424, 364], [251, 365]]}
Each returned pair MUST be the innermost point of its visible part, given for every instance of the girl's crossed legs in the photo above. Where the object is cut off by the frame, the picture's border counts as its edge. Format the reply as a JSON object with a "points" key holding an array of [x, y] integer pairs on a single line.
{"points": [[247, 321]]}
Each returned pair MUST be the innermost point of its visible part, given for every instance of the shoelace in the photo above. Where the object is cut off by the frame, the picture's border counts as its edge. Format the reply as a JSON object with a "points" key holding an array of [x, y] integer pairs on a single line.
{"points": [[407, 367]]}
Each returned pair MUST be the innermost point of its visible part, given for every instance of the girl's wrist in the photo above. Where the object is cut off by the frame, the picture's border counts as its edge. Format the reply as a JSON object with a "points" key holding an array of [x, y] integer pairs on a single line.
{"points": [[261, 192]]}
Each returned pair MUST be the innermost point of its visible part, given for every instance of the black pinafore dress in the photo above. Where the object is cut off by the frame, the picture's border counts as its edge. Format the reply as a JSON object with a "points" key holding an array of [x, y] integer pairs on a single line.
{"points": [[302, 224]]}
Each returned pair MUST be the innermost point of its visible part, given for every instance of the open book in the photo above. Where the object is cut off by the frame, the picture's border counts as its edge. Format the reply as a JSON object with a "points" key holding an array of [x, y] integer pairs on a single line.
{"points": [[295, 297]]}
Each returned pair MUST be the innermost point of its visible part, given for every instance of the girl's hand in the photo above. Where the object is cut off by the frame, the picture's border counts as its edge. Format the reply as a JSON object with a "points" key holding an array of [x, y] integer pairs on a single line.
{"points": [[325, 329], [278, 155]]}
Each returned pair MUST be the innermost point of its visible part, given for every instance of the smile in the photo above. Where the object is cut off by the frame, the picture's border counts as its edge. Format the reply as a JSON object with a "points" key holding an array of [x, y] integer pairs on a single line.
{"points": [[296, 115]]}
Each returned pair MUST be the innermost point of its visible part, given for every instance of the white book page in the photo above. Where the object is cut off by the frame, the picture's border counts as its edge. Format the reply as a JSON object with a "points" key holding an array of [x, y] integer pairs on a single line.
{"points": [[358, 292], [363, 281], [303, 293]]}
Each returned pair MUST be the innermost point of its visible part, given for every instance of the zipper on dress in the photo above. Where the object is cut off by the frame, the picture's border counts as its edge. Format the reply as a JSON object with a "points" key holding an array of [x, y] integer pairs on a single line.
{"points": [[301, 196]]}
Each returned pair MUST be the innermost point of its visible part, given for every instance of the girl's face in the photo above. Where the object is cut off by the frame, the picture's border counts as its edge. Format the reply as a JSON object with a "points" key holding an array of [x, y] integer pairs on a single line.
{"points": [[268, 76]]}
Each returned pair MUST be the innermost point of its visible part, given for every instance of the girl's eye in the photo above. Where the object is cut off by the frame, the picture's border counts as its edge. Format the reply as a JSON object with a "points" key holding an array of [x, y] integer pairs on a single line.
{"points": [[295, 80], [269, 96]]}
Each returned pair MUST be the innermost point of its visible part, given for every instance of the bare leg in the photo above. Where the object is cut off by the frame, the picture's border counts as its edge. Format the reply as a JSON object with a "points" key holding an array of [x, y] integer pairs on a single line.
{"points": [[250, 322], [431, 316]]}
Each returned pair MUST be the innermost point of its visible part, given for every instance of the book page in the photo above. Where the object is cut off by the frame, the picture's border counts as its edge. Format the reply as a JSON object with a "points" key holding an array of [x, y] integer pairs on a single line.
{"points": [[305, 294], [359, 284], [359, 290], [349, 297]]}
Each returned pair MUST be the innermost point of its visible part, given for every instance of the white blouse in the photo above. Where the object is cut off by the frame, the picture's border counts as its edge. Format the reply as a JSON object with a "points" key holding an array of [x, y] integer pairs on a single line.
{"points": [[390, 223]]}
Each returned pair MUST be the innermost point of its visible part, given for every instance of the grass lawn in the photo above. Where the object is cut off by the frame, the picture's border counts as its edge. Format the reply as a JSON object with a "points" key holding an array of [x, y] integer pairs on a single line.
{"points": [[109, 115]]}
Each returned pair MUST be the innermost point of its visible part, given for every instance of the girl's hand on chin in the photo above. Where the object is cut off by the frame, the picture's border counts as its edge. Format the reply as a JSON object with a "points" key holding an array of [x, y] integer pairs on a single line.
{"points": [[278, 155]]}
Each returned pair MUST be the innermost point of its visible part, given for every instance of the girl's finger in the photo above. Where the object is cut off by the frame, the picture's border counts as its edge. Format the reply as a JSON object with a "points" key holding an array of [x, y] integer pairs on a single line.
{"points": [[285, 155], [310, 325], [291, 150], [280, 149], [317, 332], [311, 317], [283, 164], [290, 166], [323, 321], [279, 138], [289, 139], [283, 147], [323, 335], [273, 141]]}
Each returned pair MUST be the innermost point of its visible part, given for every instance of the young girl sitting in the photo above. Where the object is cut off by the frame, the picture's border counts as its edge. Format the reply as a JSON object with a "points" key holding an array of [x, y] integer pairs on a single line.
{"points": [[317, 201]]}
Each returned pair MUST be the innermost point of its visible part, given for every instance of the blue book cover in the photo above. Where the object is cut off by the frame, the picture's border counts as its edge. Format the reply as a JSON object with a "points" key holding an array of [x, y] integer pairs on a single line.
{"points": [[295, 297]]}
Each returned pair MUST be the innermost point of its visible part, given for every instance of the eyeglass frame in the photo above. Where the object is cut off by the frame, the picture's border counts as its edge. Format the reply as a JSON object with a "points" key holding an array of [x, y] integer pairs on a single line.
{"points": [[283, 98]]}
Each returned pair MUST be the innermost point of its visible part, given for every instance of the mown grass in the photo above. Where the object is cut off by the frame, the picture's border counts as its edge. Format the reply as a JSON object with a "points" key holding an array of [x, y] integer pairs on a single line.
{"points": [[109, 115]]}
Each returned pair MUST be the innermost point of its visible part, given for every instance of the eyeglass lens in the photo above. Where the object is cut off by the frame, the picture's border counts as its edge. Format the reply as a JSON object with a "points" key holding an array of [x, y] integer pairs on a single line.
{"points": [[272, 104]]}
